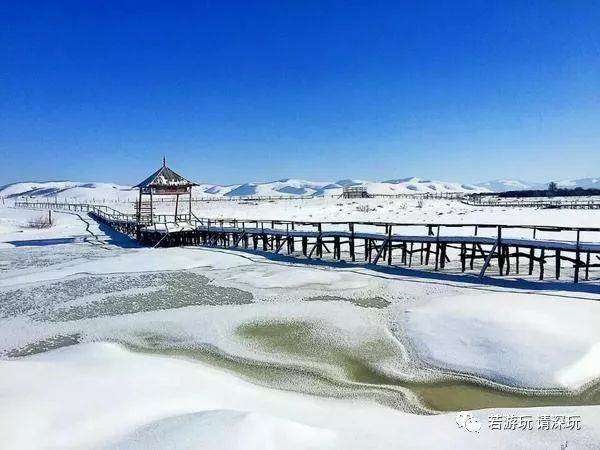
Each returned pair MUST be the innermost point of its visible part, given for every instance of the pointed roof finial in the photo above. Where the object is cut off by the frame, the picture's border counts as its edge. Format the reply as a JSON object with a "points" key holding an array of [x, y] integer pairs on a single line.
{"points": [[164, 162]]}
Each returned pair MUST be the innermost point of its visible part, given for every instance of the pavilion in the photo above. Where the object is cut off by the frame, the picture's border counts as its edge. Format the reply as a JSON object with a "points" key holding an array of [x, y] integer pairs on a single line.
{"points": [[163, 182]]}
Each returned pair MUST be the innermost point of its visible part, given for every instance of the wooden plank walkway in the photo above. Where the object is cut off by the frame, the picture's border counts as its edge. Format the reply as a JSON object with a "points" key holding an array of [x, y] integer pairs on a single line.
{"points": [[408, 244]]}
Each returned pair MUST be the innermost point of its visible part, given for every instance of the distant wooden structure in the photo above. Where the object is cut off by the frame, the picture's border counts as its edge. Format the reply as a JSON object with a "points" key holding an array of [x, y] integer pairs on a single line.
{"points": [[163, 182], [355, 192]]}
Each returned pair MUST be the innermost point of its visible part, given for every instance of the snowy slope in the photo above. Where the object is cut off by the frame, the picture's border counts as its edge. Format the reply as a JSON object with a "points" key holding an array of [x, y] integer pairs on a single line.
{"points": [[581, 182], [507, 185], [68, 190], [320, 188], [286, 186]]}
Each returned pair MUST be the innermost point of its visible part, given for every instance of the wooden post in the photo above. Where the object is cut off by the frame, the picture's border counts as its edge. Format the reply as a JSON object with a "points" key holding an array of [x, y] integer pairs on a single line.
{"points": [[577, 258], [151, 208], [389, 255], [531, 260], [437, 249], [500, 252], [320, 242], [352, 255], [139, 209], [557, 275], [587, 266]]}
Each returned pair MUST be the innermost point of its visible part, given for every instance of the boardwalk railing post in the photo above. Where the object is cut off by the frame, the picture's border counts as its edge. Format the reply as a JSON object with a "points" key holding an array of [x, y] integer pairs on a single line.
{"points": [[352, 256], [389, 261], [577, 258], [437, 249], [500, 251]]}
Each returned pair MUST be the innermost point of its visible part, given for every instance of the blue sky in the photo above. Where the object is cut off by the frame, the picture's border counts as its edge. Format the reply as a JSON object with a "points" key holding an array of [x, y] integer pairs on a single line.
{"points": [[241, 91]]}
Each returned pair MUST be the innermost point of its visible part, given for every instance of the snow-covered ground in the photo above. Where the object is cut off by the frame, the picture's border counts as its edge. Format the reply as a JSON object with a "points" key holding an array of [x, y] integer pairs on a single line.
{"points": [[105, 344], [59, 400], [391, 210]]}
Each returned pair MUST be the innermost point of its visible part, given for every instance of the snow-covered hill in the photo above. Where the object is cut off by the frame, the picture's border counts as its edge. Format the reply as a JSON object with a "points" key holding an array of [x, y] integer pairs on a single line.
{"points": [[286, 187], [320, 188], [68, 190], [518, 185], [581, 182], [507, 185]]}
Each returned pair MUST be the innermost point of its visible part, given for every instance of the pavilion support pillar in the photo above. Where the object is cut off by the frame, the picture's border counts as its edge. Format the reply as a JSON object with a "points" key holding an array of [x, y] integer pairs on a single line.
{"points": [[139, 207], [151, 209]]}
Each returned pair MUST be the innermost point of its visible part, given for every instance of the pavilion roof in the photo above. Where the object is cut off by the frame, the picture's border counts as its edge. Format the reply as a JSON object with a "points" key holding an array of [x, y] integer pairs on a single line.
{"points": [[165, 177]]}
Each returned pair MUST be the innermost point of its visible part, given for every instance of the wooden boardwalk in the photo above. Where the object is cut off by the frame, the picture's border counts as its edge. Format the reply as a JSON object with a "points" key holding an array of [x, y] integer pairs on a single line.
{"points": [[512, 249], [476, 200]]}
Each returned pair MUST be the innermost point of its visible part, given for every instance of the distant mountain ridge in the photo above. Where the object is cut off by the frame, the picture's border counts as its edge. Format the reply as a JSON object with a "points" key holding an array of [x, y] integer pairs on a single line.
{"points": [[68, 190], [519, 185], [81, 191]]}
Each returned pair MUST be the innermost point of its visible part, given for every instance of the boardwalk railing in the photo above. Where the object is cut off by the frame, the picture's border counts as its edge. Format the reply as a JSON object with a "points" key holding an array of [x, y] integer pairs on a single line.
{"points": [[409, 243], [532, 203]]}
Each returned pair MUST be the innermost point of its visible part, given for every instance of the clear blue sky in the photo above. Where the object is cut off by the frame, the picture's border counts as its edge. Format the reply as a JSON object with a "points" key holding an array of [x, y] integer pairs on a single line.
{"points": [[241, 91]]}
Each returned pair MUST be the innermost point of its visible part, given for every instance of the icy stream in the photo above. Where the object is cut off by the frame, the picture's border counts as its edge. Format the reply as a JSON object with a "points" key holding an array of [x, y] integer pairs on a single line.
{"points": [[328, 345]]}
